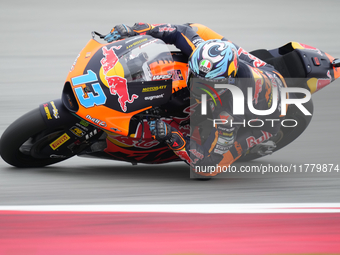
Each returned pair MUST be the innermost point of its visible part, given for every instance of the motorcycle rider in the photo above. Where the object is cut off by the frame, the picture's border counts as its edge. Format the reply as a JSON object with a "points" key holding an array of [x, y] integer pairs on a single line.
{"points": [[215, 60]]}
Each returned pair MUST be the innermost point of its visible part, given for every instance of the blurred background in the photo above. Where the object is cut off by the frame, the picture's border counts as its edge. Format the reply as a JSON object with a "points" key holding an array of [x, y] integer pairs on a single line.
{"points": [[41, 39]]}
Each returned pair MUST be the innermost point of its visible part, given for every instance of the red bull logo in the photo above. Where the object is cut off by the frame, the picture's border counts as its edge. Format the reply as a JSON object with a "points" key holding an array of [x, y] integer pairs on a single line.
{"points": [[324, 82], [110, 59], [252, 141], [118, 86], [316, 84], [307, 47], [256, 61]]}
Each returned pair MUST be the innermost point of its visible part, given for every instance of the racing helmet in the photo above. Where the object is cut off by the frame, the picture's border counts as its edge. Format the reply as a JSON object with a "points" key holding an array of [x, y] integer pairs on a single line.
{"points": [[213, 62]]}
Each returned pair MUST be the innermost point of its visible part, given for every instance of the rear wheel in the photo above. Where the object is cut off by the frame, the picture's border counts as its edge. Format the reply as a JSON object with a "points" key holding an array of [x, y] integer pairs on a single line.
{"points": [[21, 142]]}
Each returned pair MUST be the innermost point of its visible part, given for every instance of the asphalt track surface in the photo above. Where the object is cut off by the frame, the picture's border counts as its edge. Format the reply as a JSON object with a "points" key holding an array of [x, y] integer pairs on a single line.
{"points": [[40, 40]]}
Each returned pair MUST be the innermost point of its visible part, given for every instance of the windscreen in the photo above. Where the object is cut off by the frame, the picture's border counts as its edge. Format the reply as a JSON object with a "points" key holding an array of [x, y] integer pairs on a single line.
{"points": [[136, 62]]}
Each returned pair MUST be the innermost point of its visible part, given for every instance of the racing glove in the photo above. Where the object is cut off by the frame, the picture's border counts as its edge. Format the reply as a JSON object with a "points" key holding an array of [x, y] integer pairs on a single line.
{"points": [[120, 31], [163, 132]]}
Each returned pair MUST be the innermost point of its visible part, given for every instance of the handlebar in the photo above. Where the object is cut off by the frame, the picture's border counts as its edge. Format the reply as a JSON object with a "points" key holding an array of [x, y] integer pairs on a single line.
{"points": [[94, 33]]}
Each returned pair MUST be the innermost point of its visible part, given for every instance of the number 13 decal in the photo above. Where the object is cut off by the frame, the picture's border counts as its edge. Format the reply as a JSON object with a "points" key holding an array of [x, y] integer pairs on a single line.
{"points": [[91, 99]]}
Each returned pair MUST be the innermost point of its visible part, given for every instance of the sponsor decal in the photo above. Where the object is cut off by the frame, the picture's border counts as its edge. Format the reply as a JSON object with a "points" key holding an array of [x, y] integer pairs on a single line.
{"points": [[316, 84], [252, 141], [136, 43], [110, 59], [205, 66], [161, 77], [118, 86], [91, 134], [307, 47], [60, 141], [256, 61], [148, 43], [124, 141], [154, 97], [197, 154], [156, 88], [182, 154], [84, 123], [55, 110], [133, 38], [197, 42], [154, 25], [77, 131], [96, 121], [176, 75], [117, 47], [47, 111], [168, 28]]}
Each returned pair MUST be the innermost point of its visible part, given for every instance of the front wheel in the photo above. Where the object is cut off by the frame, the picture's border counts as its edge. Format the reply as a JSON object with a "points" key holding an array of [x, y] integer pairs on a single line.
{"points": [[21, 140]]}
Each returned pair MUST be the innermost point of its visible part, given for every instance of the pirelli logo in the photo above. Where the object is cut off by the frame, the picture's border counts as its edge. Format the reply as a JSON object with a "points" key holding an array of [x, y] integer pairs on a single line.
{"points": [[149, 89], [60, 141]]}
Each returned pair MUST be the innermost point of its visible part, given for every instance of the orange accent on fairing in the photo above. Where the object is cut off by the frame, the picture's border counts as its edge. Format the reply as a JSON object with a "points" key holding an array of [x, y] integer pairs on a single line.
{"points": [[113, 119], [206, 33], [83, 59], [117, 122], [336, 72]]}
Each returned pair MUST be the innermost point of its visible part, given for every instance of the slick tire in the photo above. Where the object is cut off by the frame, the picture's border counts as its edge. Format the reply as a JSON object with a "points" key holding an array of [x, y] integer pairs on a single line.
{"points": [[17, 134]]}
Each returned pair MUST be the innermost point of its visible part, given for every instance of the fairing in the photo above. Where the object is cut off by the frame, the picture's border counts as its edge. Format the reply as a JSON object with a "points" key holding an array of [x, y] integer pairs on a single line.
{"points": [[110, 83]]}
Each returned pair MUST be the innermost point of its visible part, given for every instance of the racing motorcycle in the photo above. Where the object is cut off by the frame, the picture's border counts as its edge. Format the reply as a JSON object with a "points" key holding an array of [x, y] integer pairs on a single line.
{"points": [[113, 89]]}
